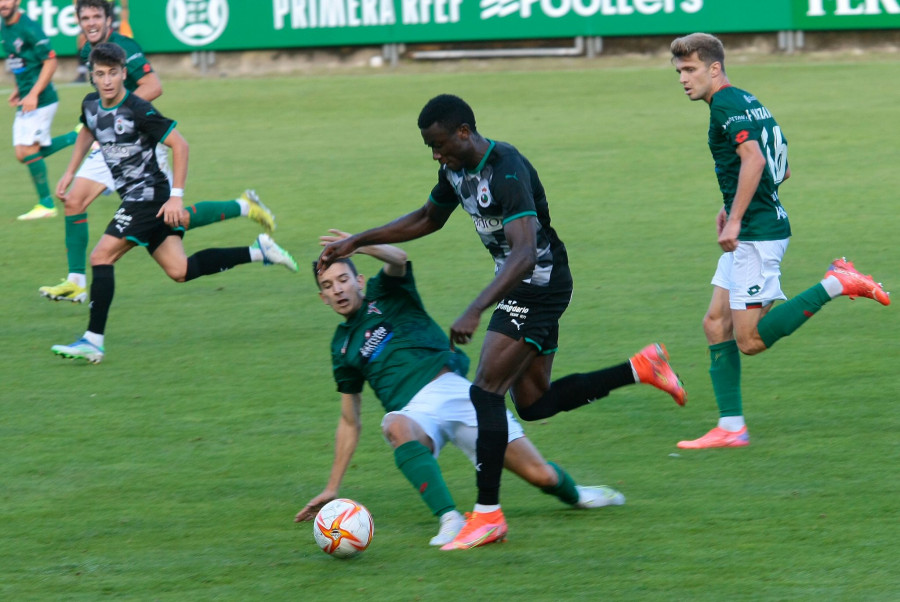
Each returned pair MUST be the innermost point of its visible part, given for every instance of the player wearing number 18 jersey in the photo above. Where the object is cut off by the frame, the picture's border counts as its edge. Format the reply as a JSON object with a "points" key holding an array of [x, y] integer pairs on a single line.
{"points": [[750, 154]]}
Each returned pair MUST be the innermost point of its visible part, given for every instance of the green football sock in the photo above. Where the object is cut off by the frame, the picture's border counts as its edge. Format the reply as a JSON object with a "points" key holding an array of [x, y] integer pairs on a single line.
{"points": [[725, 372], [565, 488], [422, 470], [210, 212], [38, 170], [59, 143], [792, 314], [76, 242]]}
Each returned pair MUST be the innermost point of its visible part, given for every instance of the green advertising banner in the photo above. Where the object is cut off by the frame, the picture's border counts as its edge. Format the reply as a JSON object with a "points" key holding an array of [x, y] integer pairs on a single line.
{"points": [[188, 25], [846, 14]]}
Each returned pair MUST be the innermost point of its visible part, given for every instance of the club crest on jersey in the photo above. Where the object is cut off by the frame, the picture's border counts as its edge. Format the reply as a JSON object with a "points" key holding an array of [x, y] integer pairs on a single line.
{"points": [[122, 125], [372, 309], [484, 194]]}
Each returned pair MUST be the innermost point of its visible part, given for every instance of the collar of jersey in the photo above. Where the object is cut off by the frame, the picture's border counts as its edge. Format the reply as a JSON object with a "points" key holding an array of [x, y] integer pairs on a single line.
{"points": [[119, 104], [484, 159]]}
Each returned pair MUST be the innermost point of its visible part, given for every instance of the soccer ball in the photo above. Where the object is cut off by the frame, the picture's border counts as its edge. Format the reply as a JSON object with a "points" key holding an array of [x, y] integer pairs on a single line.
{"points": [[343, 528]]}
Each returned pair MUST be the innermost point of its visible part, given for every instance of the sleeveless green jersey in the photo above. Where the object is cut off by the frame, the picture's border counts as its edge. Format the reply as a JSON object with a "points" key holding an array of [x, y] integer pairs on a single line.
{"points": [[736, 116], [392, 343], [26, 47], [136, 64]]}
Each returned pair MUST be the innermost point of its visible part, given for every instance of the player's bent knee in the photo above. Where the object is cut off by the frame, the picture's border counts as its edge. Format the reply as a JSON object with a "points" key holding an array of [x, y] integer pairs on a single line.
{"points": [[751, 346]]}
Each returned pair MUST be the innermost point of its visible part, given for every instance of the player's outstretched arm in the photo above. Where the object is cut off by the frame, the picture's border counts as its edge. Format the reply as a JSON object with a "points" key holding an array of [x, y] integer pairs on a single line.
{"points": [[345, 441], [394, 258], [422, 222]]}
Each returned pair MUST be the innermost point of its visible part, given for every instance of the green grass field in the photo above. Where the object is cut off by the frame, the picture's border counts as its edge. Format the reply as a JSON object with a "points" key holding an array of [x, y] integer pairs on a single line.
{"points": [[173, 470]]}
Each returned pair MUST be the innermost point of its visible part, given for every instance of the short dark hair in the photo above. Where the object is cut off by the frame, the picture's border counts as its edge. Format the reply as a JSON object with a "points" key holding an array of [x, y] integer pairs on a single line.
{"points": [[108, 55], [447, 110], [103, 5], [345, 260], [708, 47]]}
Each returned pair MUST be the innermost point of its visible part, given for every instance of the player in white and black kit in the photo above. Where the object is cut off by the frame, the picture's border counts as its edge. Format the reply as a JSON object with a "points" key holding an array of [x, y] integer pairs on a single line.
{"points": [[151, 215], [532, 286]]}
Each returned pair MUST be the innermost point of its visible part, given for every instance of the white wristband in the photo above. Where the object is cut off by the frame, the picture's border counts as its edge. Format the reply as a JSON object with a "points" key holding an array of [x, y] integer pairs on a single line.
{"points": [[179, 192]]}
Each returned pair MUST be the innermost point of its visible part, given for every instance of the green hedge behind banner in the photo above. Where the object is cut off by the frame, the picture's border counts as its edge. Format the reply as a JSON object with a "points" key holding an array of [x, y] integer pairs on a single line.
{"points": [[186, 25]]}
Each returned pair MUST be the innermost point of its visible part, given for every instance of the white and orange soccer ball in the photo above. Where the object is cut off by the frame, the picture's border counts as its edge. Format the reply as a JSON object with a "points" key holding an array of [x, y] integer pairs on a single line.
{"points": [[343, 528]]}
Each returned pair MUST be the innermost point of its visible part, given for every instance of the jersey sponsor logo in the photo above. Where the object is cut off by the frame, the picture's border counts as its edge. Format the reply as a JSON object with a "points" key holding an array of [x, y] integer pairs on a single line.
{"points": [[376, 341], [512, 176], [372, 309], [749, 98], [487, 225], [197, 22], [742, 136], [517, 324]]}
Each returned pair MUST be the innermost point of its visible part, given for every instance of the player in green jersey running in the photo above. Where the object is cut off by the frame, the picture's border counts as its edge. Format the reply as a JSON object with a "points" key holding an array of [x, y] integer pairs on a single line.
{"points": [[750, 154], [33, 63], [95, 18], [390, 341], [532, 286]]}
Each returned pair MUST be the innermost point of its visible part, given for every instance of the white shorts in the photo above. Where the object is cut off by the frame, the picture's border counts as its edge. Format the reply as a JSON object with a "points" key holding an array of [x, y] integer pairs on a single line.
{"points": [[444, 411], [752, 273], [34, 126], [94, 168]]}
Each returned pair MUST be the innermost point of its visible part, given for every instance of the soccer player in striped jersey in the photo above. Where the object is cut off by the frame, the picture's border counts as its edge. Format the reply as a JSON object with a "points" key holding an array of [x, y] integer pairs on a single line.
{"points": [[501, 191], [151, 215], [95, 17]]}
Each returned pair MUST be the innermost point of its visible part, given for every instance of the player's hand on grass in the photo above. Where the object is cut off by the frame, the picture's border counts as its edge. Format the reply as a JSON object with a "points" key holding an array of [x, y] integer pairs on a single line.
{"points": [[312, 508]]}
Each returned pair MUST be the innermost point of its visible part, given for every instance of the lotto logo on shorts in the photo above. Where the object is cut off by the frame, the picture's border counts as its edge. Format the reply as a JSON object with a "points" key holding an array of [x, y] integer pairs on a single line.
{"points": [[753, 290]]}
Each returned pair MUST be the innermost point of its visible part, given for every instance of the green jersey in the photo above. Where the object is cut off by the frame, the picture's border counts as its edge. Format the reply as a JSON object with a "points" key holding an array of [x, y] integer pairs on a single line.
{"points": [[392, 343], [136, 64], [736, 116], [26, 47]]}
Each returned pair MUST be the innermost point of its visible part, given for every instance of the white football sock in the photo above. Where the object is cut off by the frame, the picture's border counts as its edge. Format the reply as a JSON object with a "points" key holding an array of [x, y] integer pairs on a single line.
{"points": [[833, 286], [731, 423], [94, 339]]}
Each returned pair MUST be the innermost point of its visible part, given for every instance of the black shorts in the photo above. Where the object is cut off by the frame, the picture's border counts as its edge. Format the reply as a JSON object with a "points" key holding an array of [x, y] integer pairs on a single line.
{"points": [[533, 313], [136, 221]]}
